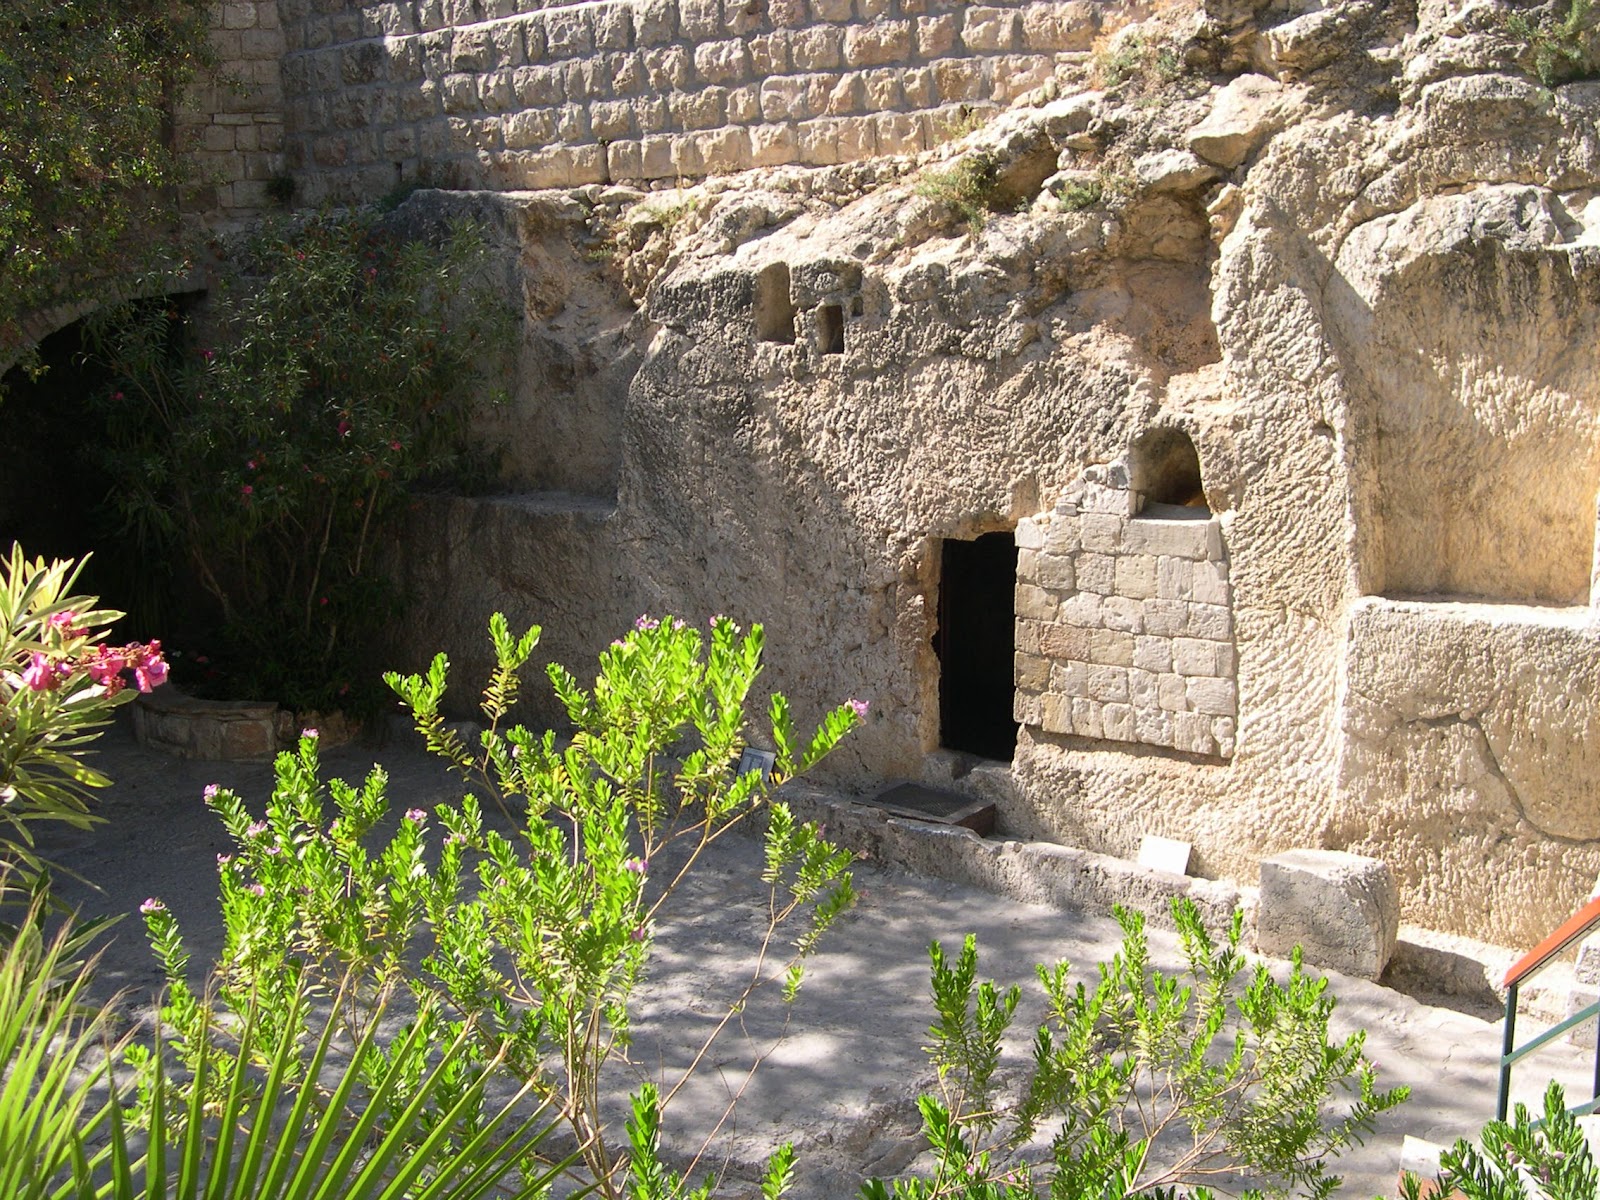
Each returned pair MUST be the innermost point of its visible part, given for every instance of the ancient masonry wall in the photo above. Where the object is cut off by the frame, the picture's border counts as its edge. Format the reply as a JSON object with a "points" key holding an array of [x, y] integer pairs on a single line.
{"points": [[511, 94], [232, 130], [1124, 626]]}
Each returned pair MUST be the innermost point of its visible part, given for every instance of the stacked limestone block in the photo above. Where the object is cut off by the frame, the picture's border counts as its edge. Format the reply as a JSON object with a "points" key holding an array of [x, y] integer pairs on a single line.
{"points": [[523, 93], [1125, 625], [231, 128]]}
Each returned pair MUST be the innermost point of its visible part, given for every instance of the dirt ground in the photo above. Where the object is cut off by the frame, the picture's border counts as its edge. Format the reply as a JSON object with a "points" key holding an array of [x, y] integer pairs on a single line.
{"points": [[843, 1066]]}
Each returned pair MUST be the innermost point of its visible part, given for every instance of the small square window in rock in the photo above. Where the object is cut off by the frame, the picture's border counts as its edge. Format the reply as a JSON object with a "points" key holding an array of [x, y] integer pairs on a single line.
{"points": [[830, 328], [774, 308]]}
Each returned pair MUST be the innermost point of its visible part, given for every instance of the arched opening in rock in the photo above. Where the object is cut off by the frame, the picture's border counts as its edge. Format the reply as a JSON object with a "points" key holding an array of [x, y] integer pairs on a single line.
{"points": [[54, 496], [774, 308], [975, 644], [1164, 468], [830, 328]]}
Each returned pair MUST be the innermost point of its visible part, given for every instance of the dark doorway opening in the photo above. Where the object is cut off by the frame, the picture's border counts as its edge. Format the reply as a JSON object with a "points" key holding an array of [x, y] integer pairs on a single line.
{"points": [[975, 644]]}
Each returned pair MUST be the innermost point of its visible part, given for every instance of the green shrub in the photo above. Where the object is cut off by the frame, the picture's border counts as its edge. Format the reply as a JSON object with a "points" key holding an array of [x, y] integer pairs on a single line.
{"points": [[532, 939], [270, 464], [969, 188], [1150, 1081], [1549, 1159]]}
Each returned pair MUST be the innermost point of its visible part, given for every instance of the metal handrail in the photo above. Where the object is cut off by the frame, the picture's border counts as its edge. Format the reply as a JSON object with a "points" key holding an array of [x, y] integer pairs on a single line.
{"points": [[1573, 928]]}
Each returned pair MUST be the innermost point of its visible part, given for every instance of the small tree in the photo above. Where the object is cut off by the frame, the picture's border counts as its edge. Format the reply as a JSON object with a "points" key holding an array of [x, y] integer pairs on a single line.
{"points": [[268, 461]]}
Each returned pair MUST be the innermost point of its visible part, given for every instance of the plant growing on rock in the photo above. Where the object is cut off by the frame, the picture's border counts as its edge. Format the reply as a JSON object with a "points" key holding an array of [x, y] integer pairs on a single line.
{"points": [[269, 463], [1138, 1086], [534, 929], [969, 188], [1560, 46]]}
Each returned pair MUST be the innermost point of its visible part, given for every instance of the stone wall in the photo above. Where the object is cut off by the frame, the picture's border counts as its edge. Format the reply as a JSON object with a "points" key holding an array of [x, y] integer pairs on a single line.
{"points": [[1125, 626], [232, 130], [514, 94]]}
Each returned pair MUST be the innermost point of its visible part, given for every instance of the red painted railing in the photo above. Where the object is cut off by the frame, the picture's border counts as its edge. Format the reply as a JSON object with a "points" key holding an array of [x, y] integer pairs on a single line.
{"points": [[1573, 928]]}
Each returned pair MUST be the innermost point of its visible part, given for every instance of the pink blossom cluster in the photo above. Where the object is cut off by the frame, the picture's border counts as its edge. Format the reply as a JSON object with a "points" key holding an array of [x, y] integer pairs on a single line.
{"points": [[104, 664]]}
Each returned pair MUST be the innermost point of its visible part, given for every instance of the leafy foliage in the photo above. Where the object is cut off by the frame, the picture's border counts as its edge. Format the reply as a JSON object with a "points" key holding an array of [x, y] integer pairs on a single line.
{"points": [[969, 188], [532, 932], [1136, 1081], [265, 1121], [85, 87], [1549, 1158], [272, 463], [1560, 46], [59, 684]]}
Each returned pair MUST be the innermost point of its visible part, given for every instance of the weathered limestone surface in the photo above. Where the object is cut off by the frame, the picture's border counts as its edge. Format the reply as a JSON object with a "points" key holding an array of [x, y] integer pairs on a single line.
{"points": [[1349, 255], [1342, 910]]}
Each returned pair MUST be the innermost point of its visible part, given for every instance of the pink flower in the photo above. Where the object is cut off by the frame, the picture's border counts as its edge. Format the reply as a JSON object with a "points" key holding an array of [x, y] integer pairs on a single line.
{"points": [[416, 814], [40, 675], [308, 732], [394, 445], [255, 889], [637, 933], [106, 666], [245, 489], [152, 905], [645, 621], [639, 866], [256, 829], [344, 428], [250, 463], [208, 355], [859, 707], [150, 674], [223, 860], [63, 623], [211, 791]]}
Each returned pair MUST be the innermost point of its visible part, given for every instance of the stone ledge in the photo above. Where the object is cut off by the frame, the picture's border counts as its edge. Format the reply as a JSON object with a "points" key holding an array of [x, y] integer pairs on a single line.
{"points": [[1032, 872]]}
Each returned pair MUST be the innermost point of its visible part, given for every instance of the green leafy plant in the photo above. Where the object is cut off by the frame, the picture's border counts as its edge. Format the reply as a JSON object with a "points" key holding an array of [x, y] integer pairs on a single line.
{"points": [[59, 684], [969, 188], [266, 1120], [531, 932], [86, 87], [1561, 46], [270, 463], [1137, 58], [48, 1036], [1078, 194], [1549, 1158], [1139, 1079]]}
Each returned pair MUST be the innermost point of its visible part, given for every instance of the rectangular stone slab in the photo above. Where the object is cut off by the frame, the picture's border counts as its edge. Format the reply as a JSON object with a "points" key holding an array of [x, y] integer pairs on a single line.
{"points": [[920, 803]]}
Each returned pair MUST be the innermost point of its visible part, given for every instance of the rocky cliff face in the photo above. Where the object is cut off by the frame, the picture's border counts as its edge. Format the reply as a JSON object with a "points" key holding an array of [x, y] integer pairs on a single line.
{"points": [[1268, 334]]}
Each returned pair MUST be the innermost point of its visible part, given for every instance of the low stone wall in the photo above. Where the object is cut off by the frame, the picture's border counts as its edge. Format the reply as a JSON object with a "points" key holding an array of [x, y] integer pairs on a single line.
{"points": [[228, 730], [519, 93]]}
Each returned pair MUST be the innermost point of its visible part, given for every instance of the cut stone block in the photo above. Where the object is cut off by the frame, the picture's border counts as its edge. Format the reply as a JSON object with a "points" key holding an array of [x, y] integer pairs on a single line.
{"points": [[1343, 910]]}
